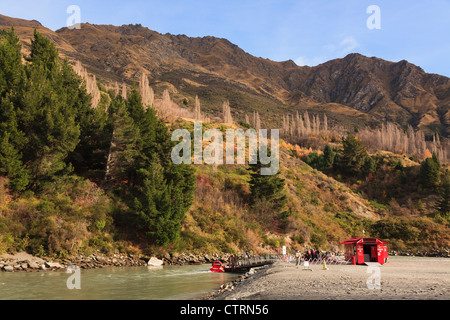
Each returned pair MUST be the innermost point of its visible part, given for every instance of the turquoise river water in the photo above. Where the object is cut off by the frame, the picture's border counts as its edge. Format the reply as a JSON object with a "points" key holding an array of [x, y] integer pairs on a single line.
{"points": [[140, 283]]}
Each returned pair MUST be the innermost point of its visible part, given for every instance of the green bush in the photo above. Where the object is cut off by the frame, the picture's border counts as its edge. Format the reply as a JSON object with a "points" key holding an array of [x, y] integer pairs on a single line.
{"points": [[318, 239], [351, 223], [298, 238], [413, 232]]}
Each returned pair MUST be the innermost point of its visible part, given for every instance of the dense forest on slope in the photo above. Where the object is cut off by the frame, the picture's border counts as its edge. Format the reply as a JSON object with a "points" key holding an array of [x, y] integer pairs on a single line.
{"points": [[52, 141], [86, 168]]}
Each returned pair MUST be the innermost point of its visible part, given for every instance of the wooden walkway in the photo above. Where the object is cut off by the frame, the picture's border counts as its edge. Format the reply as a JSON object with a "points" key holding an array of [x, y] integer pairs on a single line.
{"points": [[243, 264]]}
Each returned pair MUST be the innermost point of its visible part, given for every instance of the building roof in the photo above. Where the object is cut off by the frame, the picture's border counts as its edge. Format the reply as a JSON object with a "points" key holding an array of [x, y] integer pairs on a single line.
{"points": [[364, 241]]}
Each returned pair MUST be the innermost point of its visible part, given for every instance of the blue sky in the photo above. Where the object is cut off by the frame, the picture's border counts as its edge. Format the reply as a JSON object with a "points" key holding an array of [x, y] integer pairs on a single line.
{"points": [[308, 32]]}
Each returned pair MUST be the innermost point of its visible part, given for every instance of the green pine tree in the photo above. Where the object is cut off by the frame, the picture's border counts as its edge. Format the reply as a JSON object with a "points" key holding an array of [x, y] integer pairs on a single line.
{"points": [[429, 172], [267, 188], [11, 164], [160, 205], [443, 205], [328, 157], [44, 54], [353, 156], [370, 167], [159, 191], [12, 139], [47, 113], [11, 68], [124, 147]]}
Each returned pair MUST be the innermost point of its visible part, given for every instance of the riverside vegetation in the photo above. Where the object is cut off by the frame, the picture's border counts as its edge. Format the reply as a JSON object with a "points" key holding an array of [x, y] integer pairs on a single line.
{"points": [[77, 179]]}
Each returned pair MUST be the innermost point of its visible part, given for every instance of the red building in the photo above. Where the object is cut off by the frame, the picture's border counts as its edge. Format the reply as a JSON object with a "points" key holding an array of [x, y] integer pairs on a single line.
{"points": [[362, 250]]}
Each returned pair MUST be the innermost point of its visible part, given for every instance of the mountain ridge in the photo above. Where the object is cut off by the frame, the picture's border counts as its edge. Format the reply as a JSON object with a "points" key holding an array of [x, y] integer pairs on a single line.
{"points": [[382, 90]]}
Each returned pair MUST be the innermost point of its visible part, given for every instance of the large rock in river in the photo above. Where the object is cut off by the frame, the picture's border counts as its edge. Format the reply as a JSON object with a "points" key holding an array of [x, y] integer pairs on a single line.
{"points": [[155, 262]]}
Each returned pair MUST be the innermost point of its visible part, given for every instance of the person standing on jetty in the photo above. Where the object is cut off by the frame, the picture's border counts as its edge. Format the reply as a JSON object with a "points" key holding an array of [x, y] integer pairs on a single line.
{"points": [[298, 256]]}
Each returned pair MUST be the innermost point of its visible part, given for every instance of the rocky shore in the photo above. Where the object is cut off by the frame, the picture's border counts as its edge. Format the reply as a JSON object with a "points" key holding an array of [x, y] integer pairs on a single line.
{"points": [[24, 262], [28, 263]]}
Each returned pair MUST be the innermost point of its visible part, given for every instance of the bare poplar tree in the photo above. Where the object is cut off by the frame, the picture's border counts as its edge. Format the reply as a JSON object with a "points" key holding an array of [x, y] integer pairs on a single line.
{"points": [[168, 110], [292, 126], [116, 89], [288, 125], [423, 144], [197, 109], [79, 70], [434, 145], [318, 124], [227, 118], [313, 124], [247, 119], [258, 122], [307, 124], [92, 89], [301, 127], [297, 124], [124, 91], [90, 83], [411, 140], [146, 92], [165, 104], [391, 137]]}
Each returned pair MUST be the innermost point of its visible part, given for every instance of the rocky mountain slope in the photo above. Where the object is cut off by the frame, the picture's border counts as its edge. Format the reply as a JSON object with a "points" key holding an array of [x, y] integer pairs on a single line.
{"points": [[355, 90]]}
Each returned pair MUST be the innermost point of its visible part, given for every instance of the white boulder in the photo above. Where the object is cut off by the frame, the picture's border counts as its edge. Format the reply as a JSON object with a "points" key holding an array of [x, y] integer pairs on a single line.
{"points": [[155, 262]]}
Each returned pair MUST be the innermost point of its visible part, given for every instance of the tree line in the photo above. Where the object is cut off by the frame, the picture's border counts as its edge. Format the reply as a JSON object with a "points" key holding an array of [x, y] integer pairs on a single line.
{"points": [[353, 160], [56, 121]]}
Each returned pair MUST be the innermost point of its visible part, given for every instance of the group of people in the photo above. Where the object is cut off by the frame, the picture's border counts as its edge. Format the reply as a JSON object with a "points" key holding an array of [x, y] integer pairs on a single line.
{"points": [[310, 255]]}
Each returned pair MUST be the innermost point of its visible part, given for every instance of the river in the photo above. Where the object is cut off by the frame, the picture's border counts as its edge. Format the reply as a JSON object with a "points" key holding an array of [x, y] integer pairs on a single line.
{"points": [[140, 283]]}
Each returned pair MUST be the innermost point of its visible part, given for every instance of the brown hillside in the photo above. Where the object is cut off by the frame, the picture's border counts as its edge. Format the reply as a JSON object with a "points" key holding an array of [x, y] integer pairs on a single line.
{"points": [[215, 69]]}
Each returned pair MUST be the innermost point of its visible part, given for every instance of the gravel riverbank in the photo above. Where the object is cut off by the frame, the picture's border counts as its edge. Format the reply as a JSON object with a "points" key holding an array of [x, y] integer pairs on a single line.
{"points": [[403, 278]]}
